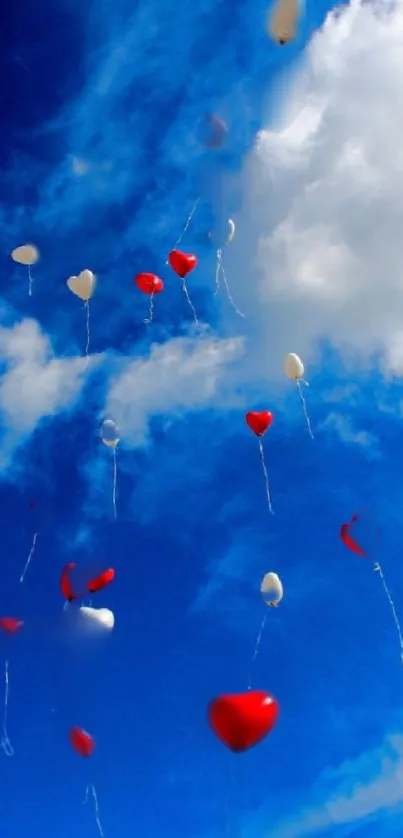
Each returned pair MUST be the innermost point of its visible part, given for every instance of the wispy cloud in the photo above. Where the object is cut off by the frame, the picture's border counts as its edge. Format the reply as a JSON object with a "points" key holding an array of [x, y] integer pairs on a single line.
{"points": [[343, 427], [228, 572], [108, 150], [179, 375], [357, 790]]}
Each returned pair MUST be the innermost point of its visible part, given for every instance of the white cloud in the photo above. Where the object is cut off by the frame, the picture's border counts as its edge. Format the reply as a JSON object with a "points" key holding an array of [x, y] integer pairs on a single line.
{"points": [[182, 374], [323, 215], [34, 384], [360, 788], [342, 426], [176, 377]]}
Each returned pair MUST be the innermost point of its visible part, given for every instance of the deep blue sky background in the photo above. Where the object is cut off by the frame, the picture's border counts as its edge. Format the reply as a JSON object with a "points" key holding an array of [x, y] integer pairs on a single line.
{"points": [[126, 84]]}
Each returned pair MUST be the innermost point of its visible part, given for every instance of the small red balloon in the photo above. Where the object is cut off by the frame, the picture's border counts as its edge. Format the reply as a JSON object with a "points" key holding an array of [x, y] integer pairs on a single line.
{"points": [[81, 741], [215, 130], [10, 624], [259, 422], [243, 720], [101, 581], [149, 283], [65, 583], [182, 263]]}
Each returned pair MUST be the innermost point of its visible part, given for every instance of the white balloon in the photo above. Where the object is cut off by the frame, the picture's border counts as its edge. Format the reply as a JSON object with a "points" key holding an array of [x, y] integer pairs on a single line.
{"points": [[223, 233], [110, 433], [231, 230], [271, 589], [83, 285], [26, 254], [293, 366], [283, 21], [102, 617]]}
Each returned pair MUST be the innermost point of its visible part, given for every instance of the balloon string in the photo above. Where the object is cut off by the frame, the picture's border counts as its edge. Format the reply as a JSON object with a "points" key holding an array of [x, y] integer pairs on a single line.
{"points": [[29, 281], [228, 810], [230, 799], [256, 650], [229, 295], [185, 288], [186, 227], [115, 474], [378, 569], [5, 742], [31, 553], [304, 408], [217, 272], [149, 319], [91, 788], [87, 346], [266, 476]]}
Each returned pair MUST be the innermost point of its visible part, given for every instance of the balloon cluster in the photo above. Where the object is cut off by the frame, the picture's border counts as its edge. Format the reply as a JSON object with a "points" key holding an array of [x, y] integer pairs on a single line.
{"points": [[239, 721], [90, 620], [243, 720]]}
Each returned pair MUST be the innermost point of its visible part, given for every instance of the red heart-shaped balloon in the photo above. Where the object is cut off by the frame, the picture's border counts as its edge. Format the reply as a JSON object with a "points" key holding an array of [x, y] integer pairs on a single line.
{"points": [[81, 741], [149, 283], [259, 422], [241, 721], [182, 263]]}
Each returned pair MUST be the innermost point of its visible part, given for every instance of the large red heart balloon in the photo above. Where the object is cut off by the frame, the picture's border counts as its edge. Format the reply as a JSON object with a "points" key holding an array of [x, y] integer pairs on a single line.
{"points": [[259, 422], [182, 263], [241, 721], [149, 283]]}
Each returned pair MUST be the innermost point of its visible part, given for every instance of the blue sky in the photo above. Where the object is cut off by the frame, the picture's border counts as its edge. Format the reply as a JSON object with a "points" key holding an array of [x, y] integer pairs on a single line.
{"points": [[101, 165]]}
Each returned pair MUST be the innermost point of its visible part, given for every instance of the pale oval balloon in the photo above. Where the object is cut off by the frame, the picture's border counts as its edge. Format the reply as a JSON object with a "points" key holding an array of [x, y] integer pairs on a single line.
{"points": [[271, 589], [223, 233], [293, 366], [110, 433], [283, 21], [102, 617], [83, 285], [26, 254]]}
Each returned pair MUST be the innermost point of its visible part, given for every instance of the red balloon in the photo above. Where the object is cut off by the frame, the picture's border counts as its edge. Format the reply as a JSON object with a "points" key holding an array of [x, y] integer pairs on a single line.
{"points": [[94, 585], [65, 583], [10, 624], [101, 581], [348, 539], [216, 131], [81, 741], [149, 283], [242, 721], [259, 422], [182, 263]]}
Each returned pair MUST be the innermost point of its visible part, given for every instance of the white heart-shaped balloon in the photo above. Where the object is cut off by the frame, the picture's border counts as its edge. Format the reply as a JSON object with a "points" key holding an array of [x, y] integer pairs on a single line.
{"points": [[83, 285], [26, 254]]}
